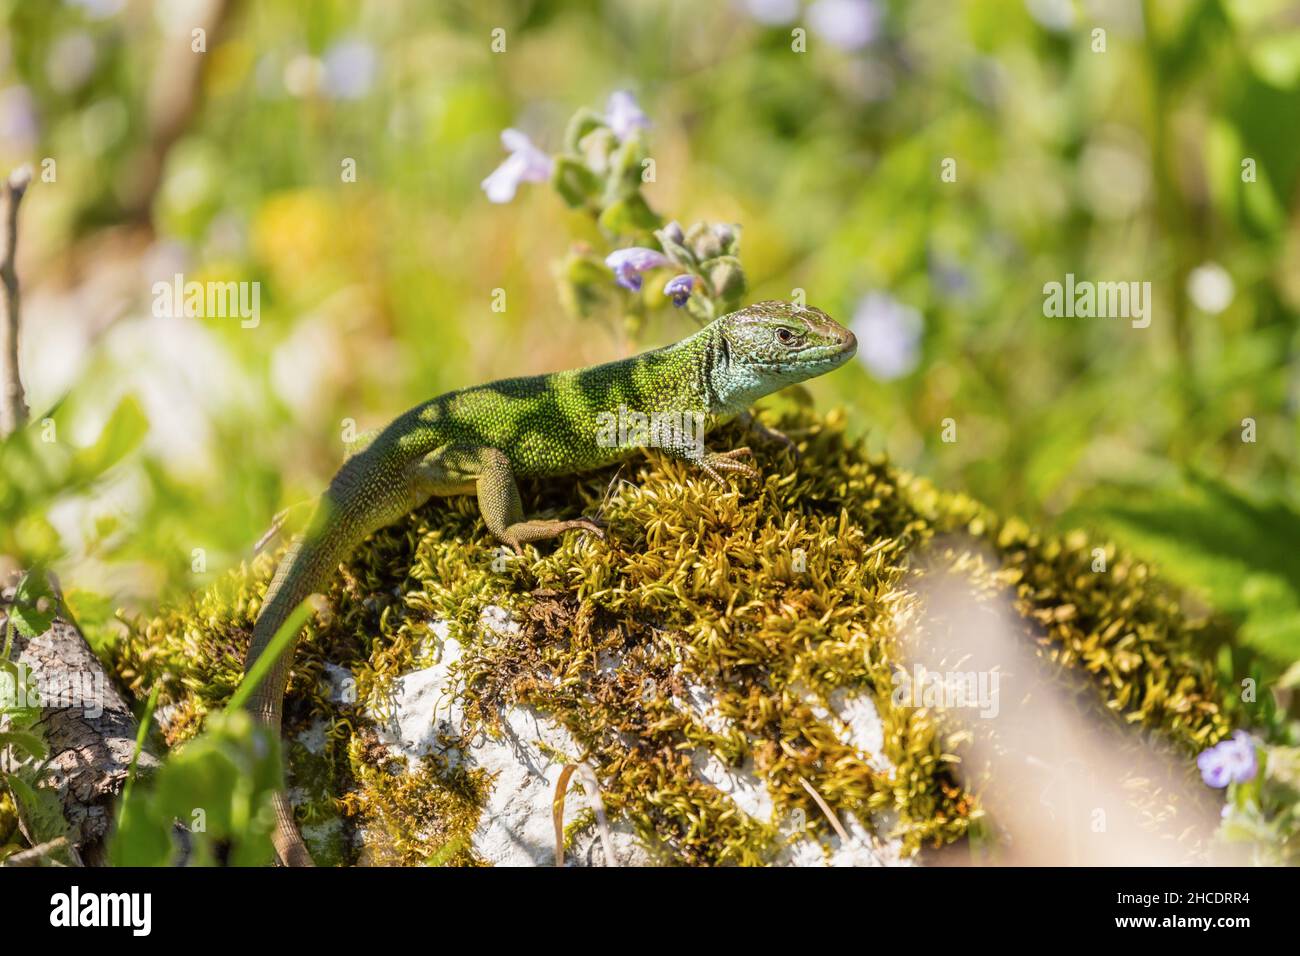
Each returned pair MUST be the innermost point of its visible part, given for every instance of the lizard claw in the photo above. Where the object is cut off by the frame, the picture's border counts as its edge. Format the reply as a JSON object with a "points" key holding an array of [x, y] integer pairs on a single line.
{"points": [[594, 525], [714, 463]]}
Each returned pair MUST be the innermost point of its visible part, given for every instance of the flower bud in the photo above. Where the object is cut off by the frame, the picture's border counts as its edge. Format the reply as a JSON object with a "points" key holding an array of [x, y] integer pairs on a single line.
{"points": [[671, 239], [726, 235], [702, 241], [596, 148], [582, 123], [727, 278]]}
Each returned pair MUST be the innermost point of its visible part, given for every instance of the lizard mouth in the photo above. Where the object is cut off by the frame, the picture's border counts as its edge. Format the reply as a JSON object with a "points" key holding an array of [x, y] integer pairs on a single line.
{"points": [[849, 346], [829, 354]]}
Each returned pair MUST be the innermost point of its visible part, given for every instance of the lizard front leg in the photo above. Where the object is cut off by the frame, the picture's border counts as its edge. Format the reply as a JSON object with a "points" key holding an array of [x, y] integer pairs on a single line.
{"points": [[487, 472], [712, 463], [687, 444]]}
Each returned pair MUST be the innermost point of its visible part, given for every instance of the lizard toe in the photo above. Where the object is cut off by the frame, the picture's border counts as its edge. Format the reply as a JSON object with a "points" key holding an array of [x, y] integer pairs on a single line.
{"points": [[594, 525]]}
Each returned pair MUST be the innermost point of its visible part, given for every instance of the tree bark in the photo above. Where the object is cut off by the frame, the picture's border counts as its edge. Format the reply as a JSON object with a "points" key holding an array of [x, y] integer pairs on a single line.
{"points": [[89, 729]]}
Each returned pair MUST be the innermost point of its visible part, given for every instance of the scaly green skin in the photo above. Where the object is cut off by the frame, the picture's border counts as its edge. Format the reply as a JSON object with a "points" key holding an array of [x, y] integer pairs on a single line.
{"points": [[479, 440]]}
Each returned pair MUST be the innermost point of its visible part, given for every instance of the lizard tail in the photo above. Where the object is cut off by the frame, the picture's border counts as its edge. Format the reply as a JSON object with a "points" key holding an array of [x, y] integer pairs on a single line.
{"points": [[306, 568], [288, 842]]}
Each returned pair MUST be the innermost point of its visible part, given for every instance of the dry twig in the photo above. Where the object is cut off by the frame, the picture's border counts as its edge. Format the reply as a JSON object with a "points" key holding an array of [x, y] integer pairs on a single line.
{"points": [[13, 406]]}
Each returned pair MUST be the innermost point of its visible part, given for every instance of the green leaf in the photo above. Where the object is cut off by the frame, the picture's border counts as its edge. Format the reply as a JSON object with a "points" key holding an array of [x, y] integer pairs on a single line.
{"points": [[139, 840], [35, 605], [31, 744], [28, 714], [1237, 552], [1276, 58], [123, 431], [219, 785], [447, 851], [576, 184], [625, 170], [585, 284], [582, 123], [39, 809], [627, 217]]}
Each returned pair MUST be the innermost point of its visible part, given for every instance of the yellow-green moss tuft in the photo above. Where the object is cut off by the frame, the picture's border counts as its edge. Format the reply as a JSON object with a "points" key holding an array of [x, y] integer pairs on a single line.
{"points": [[694, 586]]}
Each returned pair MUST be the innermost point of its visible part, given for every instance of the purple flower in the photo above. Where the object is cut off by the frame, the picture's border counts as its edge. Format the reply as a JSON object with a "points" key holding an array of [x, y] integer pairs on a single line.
{"points": [[349, 69], [772, 12], [628, 264], [525, 164], [847, 24], [18, 124], [624, 116], [948, 275], [680, 287], [1229, 761], [890, 333], [99, 9], [1057, 15]]}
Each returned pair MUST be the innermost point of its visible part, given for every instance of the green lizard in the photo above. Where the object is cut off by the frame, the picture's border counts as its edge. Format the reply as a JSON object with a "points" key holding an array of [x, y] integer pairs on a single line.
{"points": [[480, 440]]}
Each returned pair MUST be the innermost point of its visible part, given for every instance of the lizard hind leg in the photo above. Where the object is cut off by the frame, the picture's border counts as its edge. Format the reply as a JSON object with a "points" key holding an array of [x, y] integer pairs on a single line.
{"points": [[489, 471]]}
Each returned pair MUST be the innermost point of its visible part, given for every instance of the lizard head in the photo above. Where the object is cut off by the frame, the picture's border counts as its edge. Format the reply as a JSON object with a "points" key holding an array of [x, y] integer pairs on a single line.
{"points": [[768, 345]]}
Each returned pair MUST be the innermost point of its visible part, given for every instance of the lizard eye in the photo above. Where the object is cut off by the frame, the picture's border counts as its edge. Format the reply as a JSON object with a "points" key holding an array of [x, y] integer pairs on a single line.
{"points": [[784, 336]]}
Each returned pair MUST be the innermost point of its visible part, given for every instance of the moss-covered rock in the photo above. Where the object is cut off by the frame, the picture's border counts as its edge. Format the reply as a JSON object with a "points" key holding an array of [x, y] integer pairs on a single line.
{"points": [[715, 632]]}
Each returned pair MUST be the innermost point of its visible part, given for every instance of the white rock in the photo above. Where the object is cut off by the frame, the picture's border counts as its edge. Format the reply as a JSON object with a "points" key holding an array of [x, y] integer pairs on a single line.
{"points": [[862, 849], [315, 736], [745, 788], [516, 827], [701, 704], [855, 720], [420, 708], [340, 684], [858, 724], [498, 620]]}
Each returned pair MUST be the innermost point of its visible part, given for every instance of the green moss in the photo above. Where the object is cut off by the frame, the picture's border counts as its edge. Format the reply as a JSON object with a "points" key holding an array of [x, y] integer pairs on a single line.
{"points": [[694, 585], [11, 840], [413, 816]]}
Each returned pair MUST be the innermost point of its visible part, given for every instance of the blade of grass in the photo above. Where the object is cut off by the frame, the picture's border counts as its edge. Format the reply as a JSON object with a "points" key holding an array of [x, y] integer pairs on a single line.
{"points": [[557, 810], [262, 666], [590, 784], [141, 735]]}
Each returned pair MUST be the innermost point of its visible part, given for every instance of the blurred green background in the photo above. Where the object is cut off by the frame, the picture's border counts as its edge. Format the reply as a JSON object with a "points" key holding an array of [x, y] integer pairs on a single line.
{"points": [[1117, 164]]}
